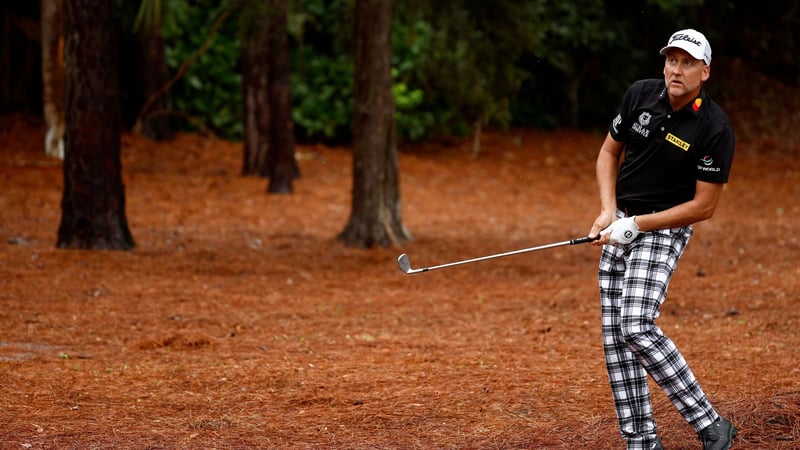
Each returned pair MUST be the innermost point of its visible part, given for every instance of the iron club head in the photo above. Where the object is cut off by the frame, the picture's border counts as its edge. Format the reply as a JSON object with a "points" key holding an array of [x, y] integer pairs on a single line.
{"points": [[403, 264]]}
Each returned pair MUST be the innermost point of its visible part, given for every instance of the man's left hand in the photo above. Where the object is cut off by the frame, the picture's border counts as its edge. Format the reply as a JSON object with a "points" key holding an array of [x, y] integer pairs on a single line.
{"points": [[622, 231]]}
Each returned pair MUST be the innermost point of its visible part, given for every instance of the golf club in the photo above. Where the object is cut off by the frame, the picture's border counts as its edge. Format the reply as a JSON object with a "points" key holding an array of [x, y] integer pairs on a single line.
{"points": [[405, 265]]}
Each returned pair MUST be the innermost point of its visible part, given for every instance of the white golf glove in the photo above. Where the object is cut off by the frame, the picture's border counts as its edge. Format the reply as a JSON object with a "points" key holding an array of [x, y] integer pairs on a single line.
{"points": [[623, 231]]}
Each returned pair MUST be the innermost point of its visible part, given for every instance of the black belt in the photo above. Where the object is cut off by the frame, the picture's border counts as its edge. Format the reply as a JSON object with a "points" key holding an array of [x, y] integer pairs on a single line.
{"points": [[632, 211]]}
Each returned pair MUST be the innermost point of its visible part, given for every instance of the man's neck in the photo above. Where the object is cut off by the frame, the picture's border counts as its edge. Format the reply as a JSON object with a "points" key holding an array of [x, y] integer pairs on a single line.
{"points": [[681, 102]]}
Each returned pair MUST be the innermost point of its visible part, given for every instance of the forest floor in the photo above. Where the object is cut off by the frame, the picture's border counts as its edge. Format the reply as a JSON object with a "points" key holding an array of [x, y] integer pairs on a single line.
{"points": [[239, 320]]}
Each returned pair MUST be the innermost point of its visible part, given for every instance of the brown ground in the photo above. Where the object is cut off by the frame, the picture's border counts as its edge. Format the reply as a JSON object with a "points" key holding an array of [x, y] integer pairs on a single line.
{"points": [[240, 322]]}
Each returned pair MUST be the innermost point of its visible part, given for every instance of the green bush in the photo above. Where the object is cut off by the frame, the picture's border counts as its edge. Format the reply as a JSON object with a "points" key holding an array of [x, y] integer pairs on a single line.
{"points": [[211, 89], [456, 62], [322, 95]]}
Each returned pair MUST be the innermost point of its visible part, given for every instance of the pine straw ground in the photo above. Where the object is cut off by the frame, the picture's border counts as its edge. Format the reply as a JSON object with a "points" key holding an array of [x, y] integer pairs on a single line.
{"points": [[240, 322]]}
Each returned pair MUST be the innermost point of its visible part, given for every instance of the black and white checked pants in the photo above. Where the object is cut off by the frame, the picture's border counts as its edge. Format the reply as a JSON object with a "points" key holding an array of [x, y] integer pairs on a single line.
{"points": [[633, 282]]}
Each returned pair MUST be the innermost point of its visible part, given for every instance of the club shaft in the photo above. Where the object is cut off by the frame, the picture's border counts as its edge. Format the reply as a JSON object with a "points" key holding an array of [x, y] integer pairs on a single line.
{"points": [[500, 255]]}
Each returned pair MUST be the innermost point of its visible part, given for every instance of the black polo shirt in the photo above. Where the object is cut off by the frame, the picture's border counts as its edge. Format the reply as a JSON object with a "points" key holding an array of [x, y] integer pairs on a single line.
{"points": [[667, 152]]}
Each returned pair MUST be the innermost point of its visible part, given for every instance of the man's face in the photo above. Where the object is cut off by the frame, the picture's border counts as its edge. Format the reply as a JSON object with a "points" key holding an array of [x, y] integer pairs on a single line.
{"points": [[683, 74]]}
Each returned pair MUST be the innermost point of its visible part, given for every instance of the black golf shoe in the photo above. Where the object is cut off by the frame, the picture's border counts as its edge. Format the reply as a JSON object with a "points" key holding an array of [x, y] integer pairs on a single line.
{"points": [[657, 445], [719, 435]]}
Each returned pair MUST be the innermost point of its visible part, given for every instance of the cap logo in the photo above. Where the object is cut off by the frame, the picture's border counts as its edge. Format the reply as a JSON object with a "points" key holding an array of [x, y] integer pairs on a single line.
{"points": [[684, 37]]}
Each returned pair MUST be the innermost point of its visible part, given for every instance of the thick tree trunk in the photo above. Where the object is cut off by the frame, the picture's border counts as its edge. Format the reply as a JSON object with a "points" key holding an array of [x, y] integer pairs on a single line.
{"points": [[93, 202], [53, 76], [375, 217]]}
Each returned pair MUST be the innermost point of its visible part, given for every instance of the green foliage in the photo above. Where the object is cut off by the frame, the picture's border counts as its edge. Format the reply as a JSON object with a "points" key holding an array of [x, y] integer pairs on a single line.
{"points": [[211, 88], [322, 94], [674, 6], [412, 123], [576, 36], [542, 63], [456, 63], [321, 68], [463, 56], [151, 14], [414, 115]]}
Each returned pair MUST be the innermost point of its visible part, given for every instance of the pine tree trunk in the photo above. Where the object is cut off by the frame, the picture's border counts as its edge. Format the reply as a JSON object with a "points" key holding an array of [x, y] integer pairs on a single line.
{"points": [[53, 76], [375, 217], [281, 161], [156, 124], [93, 202], [269, 128], [255, 93]]}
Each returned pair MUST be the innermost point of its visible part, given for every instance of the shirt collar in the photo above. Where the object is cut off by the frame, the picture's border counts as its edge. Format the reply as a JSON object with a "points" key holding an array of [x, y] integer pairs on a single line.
{"points": [[694, 107]]}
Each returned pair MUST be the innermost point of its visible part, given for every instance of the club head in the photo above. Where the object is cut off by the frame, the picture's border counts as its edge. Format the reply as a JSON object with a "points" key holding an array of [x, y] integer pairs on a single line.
{"points": [[403, 264]]}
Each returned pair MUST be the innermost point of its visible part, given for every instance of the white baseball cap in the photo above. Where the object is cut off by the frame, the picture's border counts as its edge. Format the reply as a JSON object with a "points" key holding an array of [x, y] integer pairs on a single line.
{"points": [[693, 42]]}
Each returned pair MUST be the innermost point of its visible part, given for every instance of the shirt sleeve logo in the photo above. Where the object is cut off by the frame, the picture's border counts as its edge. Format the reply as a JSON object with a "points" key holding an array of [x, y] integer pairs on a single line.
{"points": [[675, 140], [616, 122], [707, 162]]}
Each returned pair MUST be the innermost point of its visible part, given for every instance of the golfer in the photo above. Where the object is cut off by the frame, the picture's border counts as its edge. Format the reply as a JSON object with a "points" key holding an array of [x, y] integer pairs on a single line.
{"points": [[661, 168]]}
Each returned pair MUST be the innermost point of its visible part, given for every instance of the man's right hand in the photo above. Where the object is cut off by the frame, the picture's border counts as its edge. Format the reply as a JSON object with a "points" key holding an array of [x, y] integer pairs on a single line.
{"points": [[602, 222]]}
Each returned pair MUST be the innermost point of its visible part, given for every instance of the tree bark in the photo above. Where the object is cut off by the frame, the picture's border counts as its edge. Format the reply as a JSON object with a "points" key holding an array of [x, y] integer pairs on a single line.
{"points": [[281, 161], [269, 129], [53, 76], [93, 201], [255, 93], [375, 217], [154, 75]]}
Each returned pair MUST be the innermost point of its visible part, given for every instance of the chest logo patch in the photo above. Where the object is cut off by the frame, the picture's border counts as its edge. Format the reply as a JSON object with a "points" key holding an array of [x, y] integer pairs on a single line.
{"points": [[675, 140], [641, 126]]}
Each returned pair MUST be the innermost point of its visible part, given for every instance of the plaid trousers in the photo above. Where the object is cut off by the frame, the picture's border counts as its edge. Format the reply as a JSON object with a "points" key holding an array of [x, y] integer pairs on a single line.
{"points": [[633, 282]]}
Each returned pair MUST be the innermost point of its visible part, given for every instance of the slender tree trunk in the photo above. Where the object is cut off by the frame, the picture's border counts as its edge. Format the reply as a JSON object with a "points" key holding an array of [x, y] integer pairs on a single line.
{"points": [[269, 129], [93, 202], [154, 75], [53, 76], [281, 161], [255, 92], [375, 217]]}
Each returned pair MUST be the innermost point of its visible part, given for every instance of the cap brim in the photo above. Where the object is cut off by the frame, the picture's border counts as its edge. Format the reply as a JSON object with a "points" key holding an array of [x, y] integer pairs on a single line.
{"points": [[692, 50]]}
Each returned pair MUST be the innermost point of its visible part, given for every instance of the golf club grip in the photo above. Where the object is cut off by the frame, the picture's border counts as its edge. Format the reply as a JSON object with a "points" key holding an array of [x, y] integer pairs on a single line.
{"points": [[584, 240]]}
